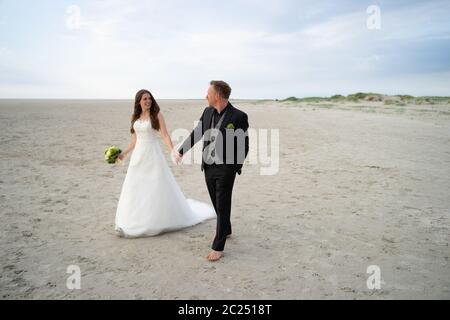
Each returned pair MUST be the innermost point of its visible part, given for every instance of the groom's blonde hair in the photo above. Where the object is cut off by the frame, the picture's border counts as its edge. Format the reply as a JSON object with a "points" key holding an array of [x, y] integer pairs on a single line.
{"points": [[222, 88]]}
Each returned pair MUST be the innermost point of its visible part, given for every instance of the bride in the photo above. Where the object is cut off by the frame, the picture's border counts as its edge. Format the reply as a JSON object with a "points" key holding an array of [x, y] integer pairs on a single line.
{"points": [[151, 201]]}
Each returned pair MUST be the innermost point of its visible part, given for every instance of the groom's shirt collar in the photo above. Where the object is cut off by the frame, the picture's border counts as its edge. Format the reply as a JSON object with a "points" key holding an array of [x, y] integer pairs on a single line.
{"points": [[221, 113], [217, 115]]}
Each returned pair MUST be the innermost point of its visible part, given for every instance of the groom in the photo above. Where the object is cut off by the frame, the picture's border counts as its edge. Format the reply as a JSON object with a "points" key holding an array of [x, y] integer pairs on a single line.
{"points": [[225, 147]]}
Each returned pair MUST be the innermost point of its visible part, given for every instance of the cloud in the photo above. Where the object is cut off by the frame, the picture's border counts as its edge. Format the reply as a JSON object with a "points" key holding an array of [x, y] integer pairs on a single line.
{"points": [[109, 49], [4, 51], [422, 21]]}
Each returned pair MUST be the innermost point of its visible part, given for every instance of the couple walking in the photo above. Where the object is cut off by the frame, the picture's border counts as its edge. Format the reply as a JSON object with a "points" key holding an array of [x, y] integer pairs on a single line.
{"points": [[151, 202]]}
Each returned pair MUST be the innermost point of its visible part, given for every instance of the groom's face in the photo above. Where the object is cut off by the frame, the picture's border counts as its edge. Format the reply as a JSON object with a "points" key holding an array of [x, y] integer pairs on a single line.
{"points": [[211, 96]]}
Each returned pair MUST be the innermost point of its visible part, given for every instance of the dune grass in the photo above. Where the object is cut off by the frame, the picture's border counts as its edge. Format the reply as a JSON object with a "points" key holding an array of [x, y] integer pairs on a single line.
{"points": [[398, 100]]}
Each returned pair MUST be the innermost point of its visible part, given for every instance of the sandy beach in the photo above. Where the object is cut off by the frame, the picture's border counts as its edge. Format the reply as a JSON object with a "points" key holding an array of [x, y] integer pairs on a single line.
{"points": [[358, 184]]}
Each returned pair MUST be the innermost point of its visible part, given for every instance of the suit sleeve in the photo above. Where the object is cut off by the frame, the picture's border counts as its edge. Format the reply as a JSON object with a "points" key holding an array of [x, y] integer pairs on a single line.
{"points": [[244, 126], [194, 137]]}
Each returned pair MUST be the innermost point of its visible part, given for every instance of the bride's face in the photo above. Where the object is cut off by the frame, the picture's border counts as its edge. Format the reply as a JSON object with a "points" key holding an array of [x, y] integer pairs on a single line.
{"points": [[146, 102]]}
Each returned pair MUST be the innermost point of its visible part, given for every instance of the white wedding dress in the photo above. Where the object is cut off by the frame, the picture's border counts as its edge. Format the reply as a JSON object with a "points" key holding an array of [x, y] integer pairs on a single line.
{"points": [[151, 202]]}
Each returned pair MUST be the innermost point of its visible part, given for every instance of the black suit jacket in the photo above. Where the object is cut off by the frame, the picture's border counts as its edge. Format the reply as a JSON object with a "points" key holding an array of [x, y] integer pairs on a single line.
{"points": [[237, 118]]}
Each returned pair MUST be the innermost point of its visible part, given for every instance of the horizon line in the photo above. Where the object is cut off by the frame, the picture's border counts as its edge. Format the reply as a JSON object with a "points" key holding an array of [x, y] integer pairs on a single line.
{"points": [[273, 99]]}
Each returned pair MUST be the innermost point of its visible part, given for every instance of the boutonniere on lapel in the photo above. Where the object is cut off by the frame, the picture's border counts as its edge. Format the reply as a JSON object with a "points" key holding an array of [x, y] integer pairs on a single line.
{"points": [[230, 126]]}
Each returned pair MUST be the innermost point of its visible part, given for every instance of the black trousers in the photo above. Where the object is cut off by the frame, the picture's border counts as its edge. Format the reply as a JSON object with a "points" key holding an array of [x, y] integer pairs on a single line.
{"points": [[220, 181]]}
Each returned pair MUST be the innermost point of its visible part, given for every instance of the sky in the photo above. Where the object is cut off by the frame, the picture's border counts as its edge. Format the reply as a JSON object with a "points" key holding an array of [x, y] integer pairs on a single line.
{"points": [[265, 49]]}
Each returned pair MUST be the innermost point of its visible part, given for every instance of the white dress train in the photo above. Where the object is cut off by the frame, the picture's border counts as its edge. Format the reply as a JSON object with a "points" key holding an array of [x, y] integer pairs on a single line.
{"points": [[151, 202]]}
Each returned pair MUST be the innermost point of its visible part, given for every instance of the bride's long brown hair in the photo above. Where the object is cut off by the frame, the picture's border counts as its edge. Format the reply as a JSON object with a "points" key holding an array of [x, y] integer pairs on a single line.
{"points": [[154, 110]]}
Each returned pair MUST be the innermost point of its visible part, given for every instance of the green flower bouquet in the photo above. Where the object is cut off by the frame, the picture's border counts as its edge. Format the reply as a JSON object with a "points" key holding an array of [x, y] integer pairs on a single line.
{"points": [[111, 154]]}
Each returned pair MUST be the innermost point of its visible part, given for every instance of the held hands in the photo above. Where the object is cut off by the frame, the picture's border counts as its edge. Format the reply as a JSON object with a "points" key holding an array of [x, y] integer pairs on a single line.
{"points": [[177, 157]]}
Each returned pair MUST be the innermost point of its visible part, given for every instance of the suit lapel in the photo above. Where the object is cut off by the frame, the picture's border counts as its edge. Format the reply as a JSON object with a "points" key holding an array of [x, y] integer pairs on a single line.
{"points": [[228, 116]]}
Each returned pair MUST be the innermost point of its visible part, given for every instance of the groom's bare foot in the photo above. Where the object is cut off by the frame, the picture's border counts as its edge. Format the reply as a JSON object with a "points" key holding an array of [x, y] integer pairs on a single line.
{"points": [[214, 255]]}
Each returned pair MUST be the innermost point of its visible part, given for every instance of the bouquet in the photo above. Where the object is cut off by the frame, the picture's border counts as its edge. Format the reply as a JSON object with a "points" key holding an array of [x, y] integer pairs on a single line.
{"points": [[111, 154]]}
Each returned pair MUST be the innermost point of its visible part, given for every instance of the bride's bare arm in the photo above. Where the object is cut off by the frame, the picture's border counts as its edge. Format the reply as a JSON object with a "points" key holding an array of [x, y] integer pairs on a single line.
{"points": [[130, 147], [163, 131]]}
